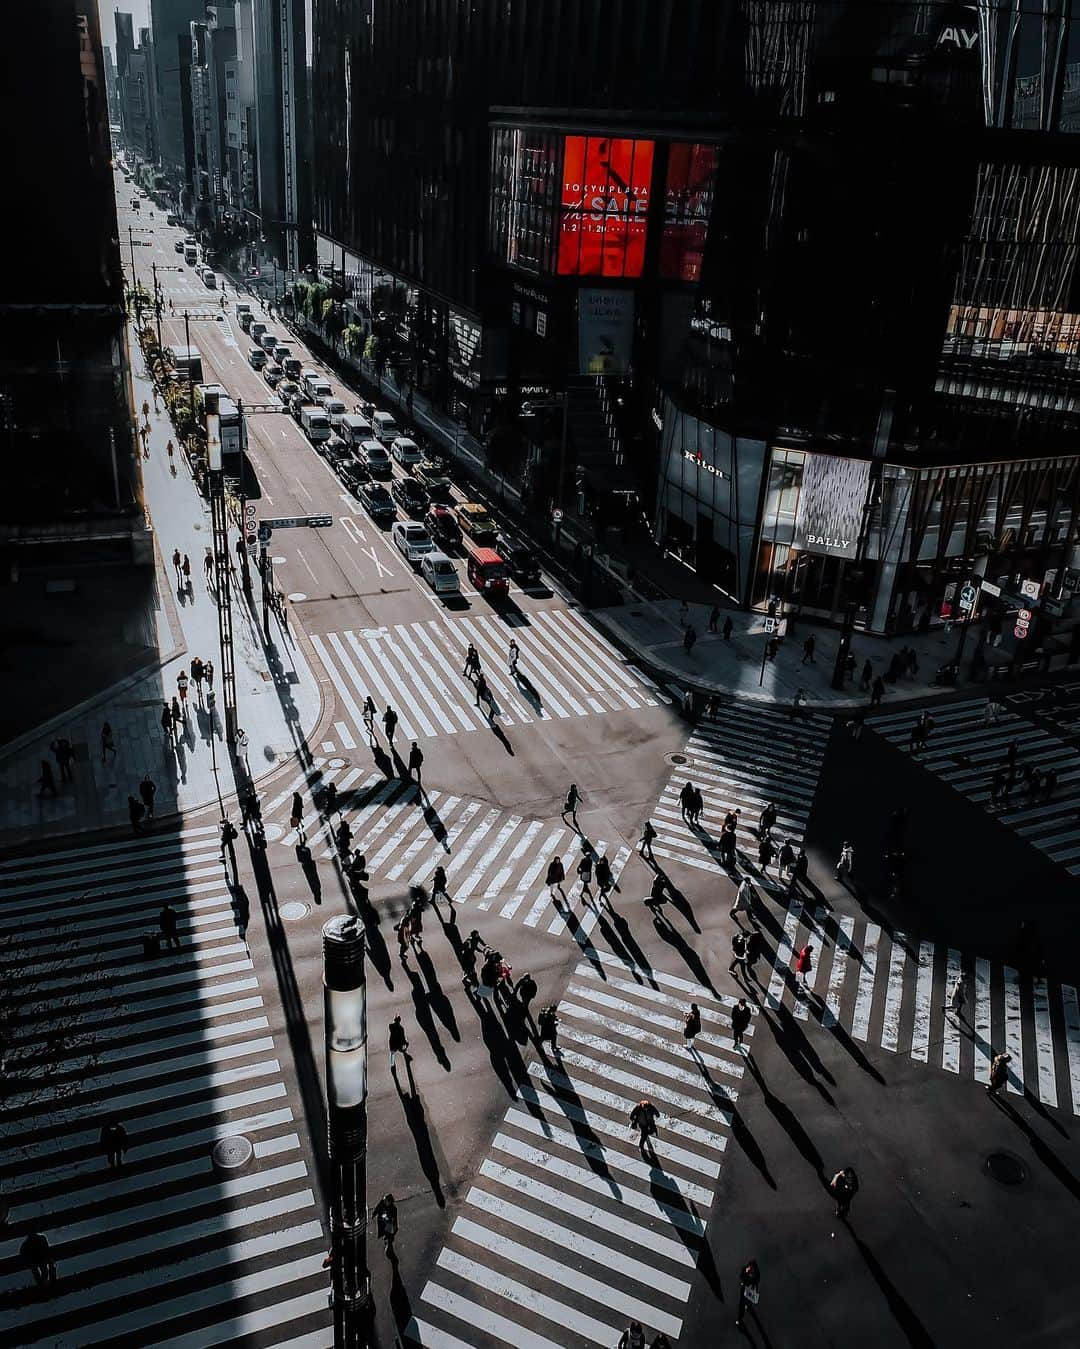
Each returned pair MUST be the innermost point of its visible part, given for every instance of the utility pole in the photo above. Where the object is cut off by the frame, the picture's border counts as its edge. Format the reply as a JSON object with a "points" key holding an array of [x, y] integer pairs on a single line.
{"points": [[134, 279], [220, 523], [191, 381], [157, 303], [345, 1020]]}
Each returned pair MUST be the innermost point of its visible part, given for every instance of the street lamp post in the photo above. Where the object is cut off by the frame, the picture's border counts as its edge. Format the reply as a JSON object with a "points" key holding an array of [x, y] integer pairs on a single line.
{"points": [[220, 525], [345, 1016]]}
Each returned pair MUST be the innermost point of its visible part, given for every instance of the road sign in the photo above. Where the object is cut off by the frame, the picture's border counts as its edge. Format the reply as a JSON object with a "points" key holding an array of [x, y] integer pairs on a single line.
{"points": [[770, 624], [1029, 590], [264, 533], [967, 597], [299, 522], [990, 588], [1020, 632], [249, 510], [556, 516], [1024, 616], [249, 539]]}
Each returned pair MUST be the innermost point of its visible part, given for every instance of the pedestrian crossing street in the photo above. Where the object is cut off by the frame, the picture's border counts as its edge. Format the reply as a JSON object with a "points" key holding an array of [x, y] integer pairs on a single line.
{"points": [[566, 669], [965, 751], [173, 1248], [741, 760], [569, 1231], [495, 861], [886, 989]]}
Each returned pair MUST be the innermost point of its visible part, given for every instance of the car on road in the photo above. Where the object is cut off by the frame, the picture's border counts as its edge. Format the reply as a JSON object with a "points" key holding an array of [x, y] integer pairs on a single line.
{"points": [[406, 451], [432, 476], [256, 358], [287, 390], [487, 572], [335, 410], [412, 540], [476, 524], [377, 501], [375, 459], [520, 558], [209, 280], [443, 526], [272, 375], [440, 573], [410, 496], [353, 476], [178, 245]]}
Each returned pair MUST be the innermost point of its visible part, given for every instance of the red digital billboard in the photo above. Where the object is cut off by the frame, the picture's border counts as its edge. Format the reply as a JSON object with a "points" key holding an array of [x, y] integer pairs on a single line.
{"points": [[605, 205], [687, 208]]}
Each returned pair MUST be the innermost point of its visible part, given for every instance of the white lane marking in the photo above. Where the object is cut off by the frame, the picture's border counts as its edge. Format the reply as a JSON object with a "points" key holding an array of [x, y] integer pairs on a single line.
{"points": [[784, 949], [841, 952], [924, 990], [554, 1080], [544, 852], [1071, 1010], [643, 1037], [480, 1319], [364, 654], [592, 1290], [469, 884], [864, 998], [894, 993], [1014, 1030], [1044, 1043], [338, 682], [445, 846], [654, 978], [983, 1031], [950, 1036], [584, 1246], [344, 735], [424, 837], [503, 874], [434, 676], [463, 708]]}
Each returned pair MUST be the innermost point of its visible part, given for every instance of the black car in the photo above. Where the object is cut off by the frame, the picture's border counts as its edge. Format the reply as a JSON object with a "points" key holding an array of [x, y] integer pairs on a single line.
{"points": [[354, 476], [377, 501], [272, 375], [432, 476], [410, 496], [519, 557], [442, 526]]}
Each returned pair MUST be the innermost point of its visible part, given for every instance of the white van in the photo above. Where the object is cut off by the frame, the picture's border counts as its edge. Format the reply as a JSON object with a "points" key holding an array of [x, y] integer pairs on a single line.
{"points": [[335, 410], [406, 451], [316, 424], [385, 428], [308, 372], [319, 388], [354, 429]]}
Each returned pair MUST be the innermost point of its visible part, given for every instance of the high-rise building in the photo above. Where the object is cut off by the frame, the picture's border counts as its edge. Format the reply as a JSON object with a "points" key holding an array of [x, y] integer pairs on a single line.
{"points": [[813, 264], [170, 23], [112, 89], [72, 488]]}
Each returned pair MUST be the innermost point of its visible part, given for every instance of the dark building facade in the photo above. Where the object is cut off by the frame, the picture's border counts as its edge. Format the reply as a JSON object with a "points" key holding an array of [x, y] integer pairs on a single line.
{"points": [[72, 485], [822, 278], [170, 22]]}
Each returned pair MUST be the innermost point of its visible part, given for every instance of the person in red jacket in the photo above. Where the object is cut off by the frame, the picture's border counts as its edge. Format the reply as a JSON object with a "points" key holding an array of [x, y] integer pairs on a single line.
{"points": [[804, 965]]}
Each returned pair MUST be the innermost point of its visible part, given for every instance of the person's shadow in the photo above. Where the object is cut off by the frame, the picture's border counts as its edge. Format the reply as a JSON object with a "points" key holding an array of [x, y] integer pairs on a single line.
{"points": [[416, 1117]]}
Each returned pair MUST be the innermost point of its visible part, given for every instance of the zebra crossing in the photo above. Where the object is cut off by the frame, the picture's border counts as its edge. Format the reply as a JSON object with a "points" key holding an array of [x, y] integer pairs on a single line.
{"points": [[566, 669], [884, 988], [741, 760], [210, 1231], [569, 1231], [494, 861], [965, 750]]}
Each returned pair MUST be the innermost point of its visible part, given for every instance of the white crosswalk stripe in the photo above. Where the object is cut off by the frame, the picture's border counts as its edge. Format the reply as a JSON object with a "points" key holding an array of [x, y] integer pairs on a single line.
{"points": [[884, 989], [493, 861], [175, 1045], [966, 751], [570, 1230], [742, 760], [566, 669]]}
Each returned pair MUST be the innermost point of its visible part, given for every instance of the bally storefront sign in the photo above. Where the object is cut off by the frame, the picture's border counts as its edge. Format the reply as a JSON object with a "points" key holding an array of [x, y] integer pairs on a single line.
{"points": [[832, 495]]}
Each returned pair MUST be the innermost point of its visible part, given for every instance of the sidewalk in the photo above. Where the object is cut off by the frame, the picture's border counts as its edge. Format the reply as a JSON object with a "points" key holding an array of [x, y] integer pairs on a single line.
{"points": [[278, 697]]}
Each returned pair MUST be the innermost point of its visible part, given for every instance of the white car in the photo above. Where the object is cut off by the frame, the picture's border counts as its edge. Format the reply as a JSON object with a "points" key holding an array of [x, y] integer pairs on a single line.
{"points": [[406, 451], [412, 540], [335, 410], [440, 573]]}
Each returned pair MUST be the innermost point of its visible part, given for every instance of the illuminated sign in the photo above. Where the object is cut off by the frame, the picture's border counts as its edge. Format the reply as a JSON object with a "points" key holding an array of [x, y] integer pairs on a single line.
{"points": [[688, 204], [605, 204], [831, 500], [696, 458]]}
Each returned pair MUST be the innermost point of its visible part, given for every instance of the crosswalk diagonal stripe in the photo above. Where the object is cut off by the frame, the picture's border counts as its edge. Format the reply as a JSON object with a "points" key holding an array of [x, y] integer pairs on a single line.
{"points": [[424, 677], [424, 837], [470, 882], [414, 719], [983, 1031], [785, 948], [503, 874], [584, 1285], [495, 659], [539, 678], [567, 1239], [626, 1227], [1071, 1012], [1044, 1043], [480, 1319], [341, 688], [644, 1037], [587, 636], [864, 999], [950, 1037], [1014, 1034], [551, 653], [543, 854], [841, 952], [448, 843], [589, 656], [458, 694], [924, 987]]}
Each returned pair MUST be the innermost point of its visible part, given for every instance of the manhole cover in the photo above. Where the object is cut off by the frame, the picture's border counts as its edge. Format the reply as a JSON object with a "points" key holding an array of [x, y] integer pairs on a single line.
{"points": [[1004, 1167], [297, 597], [232, 1153], [338, 763], [273, 832], [293, 910], [676, 759]]}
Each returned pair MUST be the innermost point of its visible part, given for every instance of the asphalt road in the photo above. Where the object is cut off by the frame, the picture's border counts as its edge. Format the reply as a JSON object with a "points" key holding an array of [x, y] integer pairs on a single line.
{"points": [[528, 1215]]}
